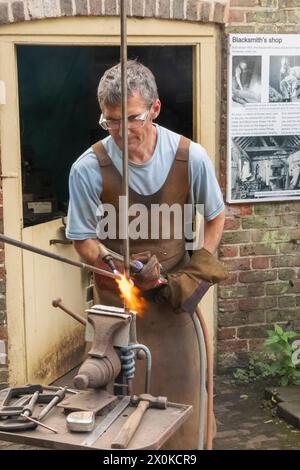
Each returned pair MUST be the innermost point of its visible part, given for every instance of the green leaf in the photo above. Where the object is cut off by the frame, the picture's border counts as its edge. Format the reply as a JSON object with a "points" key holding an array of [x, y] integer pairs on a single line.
{"points": [[278, 330]]}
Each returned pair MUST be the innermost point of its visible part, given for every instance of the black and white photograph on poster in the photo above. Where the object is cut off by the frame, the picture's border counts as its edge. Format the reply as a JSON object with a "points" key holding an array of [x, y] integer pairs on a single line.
{"points": [[265, 167], [246, 79], [263, 132], [284, 76]]}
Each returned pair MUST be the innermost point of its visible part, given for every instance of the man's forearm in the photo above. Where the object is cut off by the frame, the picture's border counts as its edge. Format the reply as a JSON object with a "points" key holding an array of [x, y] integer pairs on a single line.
{"points": [[88, 250], [213, 230]]}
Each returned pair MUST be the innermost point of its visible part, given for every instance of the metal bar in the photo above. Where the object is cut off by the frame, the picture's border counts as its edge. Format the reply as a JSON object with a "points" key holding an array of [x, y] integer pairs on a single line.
{"points": [[48, 254], [107, 422], [57, 303], [125, 191], [38, 423]]}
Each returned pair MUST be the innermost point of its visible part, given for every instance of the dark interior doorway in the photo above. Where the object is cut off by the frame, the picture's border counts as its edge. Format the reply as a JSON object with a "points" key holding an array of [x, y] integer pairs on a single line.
{"points": [[59, 112]]}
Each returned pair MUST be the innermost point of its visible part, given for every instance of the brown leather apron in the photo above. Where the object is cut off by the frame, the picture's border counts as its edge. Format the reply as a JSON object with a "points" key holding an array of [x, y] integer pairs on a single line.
{"points": [[171, 338]]}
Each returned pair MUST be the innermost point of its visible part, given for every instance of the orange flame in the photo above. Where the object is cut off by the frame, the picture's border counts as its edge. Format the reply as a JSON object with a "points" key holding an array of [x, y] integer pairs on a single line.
{"points": [[131, 295]]}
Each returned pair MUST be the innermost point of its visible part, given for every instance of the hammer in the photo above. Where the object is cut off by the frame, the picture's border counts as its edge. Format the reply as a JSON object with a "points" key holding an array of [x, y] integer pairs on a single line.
{"points": [[144, 402]]}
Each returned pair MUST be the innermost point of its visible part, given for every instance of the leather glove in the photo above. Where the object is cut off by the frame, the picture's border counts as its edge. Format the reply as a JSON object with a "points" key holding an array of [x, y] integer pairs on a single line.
{"points": [[148, 277], [186, 288]]}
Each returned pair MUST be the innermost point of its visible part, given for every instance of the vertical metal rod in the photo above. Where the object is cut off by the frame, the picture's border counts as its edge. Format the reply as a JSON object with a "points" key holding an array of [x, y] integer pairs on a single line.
{"points": [[125, 191]]}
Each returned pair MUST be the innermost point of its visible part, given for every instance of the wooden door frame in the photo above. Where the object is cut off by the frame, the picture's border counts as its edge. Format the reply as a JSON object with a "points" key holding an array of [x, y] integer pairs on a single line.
{"points": [[85, 31]]}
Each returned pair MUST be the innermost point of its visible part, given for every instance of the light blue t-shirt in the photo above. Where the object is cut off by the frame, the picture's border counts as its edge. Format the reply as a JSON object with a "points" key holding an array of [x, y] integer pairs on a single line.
{"points": [[85, 181]]}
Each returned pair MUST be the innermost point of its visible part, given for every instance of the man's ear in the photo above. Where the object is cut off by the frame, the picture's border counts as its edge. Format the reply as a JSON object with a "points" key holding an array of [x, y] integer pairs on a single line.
{"points": [[155, 109]]}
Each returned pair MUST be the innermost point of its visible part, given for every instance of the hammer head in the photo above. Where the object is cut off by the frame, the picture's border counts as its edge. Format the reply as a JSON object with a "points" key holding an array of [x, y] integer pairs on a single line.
{"points": [[154, 402]]}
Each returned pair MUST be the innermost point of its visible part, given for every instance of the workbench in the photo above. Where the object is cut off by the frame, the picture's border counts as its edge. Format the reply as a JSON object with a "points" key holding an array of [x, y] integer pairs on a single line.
{"points": [[154, 430]]}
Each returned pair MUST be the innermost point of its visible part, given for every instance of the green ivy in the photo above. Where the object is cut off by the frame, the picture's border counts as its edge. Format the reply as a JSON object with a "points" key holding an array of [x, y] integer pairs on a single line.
{"points": [[274, 363]]}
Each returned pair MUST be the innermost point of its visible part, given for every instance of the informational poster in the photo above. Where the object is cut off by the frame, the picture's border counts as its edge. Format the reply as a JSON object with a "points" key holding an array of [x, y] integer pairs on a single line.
{"points": [[263, 118]]}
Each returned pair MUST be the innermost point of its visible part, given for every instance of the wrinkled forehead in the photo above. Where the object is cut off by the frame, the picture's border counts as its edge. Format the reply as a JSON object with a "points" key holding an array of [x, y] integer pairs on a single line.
{"points": [[136, 104]]}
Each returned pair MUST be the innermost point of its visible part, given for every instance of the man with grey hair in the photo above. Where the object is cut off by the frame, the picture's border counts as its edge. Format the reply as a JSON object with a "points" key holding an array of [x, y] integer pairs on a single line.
{"points": [[164, 168]]}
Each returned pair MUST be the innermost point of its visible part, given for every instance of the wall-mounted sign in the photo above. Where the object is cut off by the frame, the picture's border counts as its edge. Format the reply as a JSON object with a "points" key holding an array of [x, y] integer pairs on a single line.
{"points": [[263, 118]]}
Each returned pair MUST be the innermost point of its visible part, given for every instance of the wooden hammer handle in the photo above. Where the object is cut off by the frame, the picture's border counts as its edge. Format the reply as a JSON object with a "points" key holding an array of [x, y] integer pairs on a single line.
{"points": [[127, 431]]}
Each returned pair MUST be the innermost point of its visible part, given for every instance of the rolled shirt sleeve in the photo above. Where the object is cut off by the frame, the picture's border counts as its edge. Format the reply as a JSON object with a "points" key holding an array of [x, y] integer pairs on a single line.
{"points": [[205, 188], [85, 187]]}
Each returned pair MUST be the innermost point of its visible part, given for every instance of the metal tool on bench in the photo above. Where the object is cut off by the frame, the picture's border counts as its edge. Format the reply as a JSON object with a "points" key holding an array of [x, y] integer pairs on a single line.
{"points": [[18, 418], [109, 419], [81, 421], [7, 409], [143, 402]]}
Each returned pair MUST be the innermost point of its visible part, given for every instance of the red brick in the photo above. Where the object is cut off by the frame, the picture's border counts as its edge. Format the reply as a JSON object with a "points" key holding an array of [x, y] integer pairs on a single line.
{"points": [[261, 222], [290, 220], [244, 3], [287, 301], [232, 223], [286, 260], [287, 207], [96, 7], [256, 344], [239, 210], [163, 9], [260, 262], [219, 13], [178, 13], [226, 333], [66, 7], [3, 332], [253, 331], [137, 8], [283, 315], [232, 345], [258, 276], [193, 10], [232, 279], [287, 274], [18, 11], [275, 288], [4, 13], [240, 318], [256, 289], [205, 11], [4, 377], [236, 16], [228, 305], [110, 7], [81, 7], [257, 303], [232, 292], [238, 264], [229, 251], [294, 287], [238, 237]]}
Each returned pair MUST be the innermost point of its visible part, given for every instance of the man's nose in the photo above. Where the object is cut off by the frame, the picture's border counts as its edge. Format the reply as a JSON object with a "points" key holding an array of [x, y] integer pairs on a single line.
{"points": [[120, 131]]}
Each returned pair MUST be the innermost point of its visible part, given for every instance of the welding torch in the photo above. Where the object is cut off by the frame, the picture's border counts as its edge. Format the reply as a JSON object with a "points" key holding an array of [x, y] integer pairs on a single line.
{"points": [[108, 256]]}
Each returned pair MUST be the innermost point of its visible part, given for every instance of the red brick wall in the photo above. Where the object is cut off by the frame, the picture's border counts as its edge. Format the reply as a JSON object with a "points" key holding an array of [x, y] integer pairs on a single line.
{"points": [[261, 242]]}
